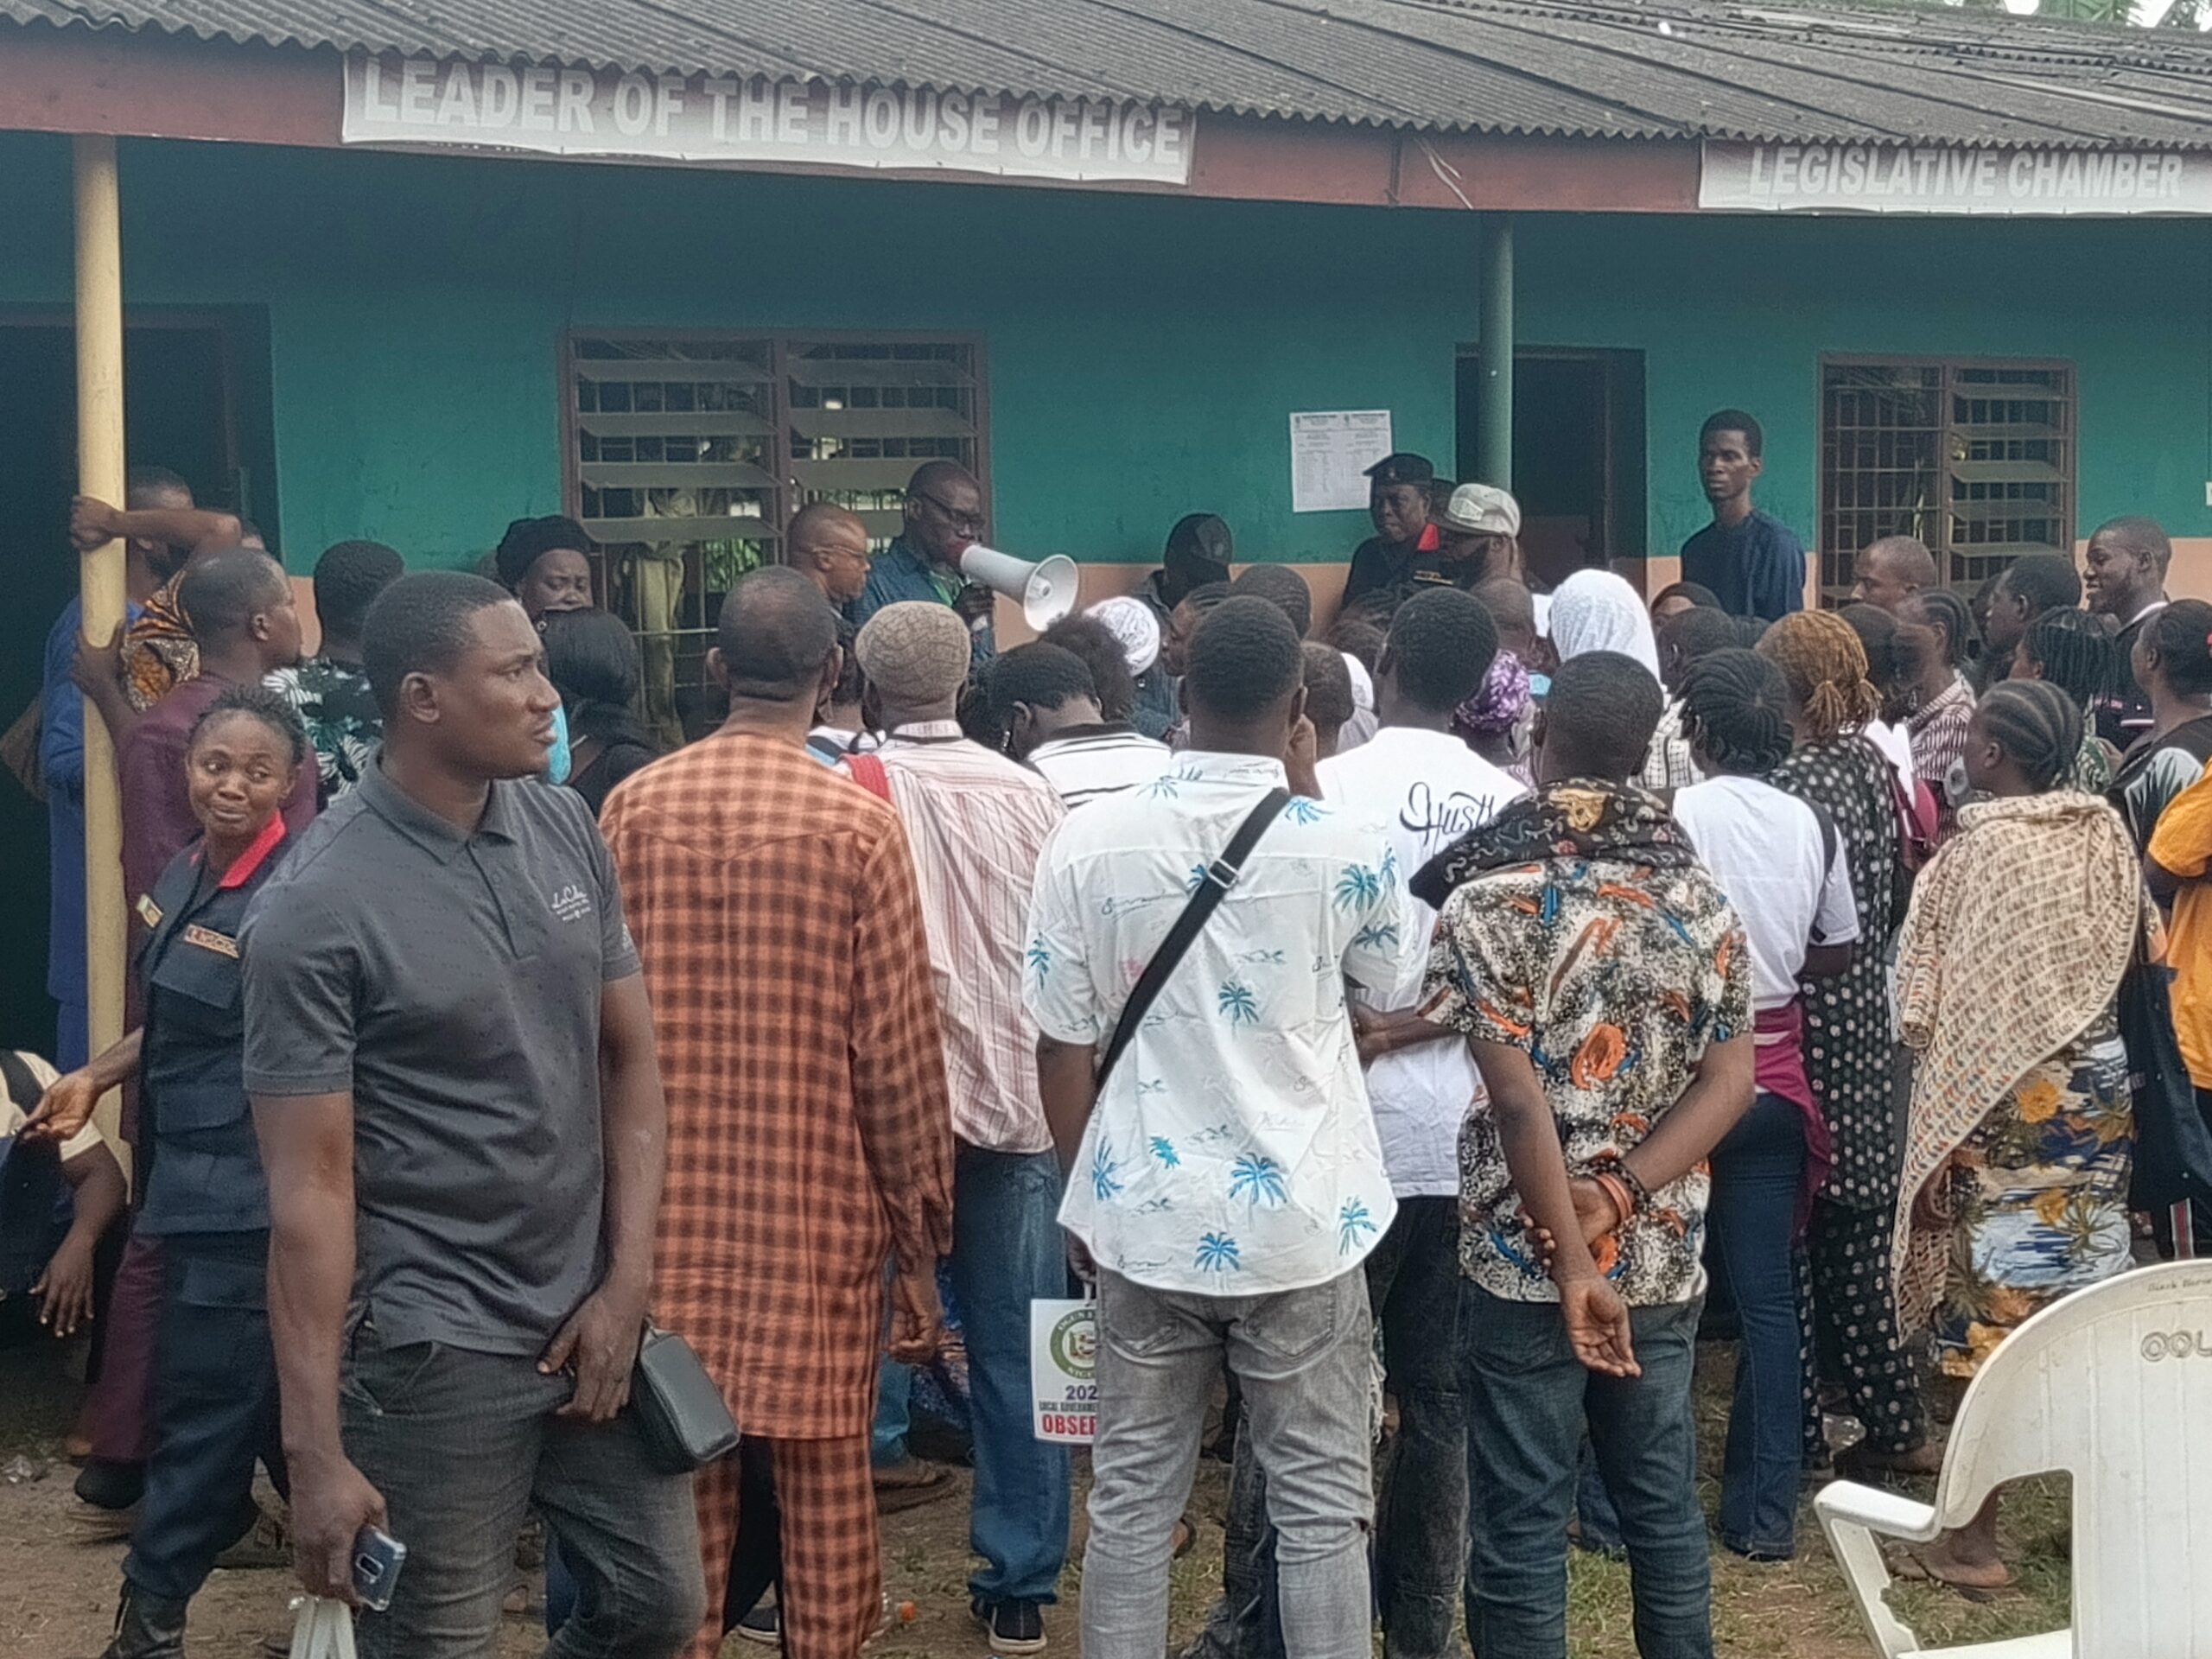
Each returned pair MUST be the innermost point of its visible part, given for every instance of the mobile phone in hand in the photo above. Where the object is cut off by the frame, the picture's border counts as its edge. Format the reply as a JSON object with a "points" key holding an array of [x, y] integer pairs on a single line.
{"points": [[378, 1557]]}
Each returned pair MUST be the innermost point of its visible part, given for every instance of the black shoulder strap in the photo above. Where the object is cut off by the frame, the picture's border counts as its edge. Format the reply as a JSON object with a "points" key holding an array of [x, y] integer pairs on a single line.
{"points": [[1213, 887]]}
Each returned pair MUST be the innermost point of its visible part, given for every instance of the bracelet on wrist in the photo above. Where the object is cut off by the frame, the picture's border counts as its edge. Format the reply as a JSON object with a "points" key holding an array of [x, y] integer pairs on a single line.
{"points": [[1638, 1193], [1616, 1190]]}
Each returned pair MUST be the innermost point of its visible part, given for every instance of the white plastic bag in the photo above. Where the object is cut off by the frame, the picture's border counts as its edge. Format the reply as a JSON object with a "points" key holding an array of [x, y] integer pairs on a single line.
{"points": [[324, 1629], [1063, 1370]]}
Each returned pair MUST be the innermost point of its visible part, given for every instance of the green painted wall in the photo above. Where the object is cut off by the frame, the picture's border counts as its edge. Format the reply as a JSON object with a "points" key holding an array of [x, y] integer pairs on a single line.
{"points": [[1736, 311], [1144, 354]]}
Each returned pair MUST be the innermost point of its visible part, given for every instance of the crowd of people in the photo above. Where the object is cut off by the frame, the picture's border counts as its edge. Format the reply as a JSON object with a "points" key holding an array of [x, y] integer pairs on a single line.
{"points": [[1415, 1028]]}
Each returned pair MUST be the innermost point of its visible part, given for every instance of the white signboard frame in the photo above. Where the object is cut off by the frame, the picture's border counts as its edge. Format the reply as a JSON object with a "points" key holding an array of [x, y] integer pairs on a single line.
{"points": [[1953, 179], [1330, 453], [731, 121]]}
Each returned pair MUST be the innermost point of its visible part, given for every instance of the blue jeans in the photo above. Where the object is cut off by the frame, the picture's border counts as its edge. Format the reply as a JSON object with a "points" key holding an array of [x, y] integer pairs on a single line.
{"points": [[1752, 1214], [1007, 1250], [894, 1388], [1528, 1400], [1420, 1518]]}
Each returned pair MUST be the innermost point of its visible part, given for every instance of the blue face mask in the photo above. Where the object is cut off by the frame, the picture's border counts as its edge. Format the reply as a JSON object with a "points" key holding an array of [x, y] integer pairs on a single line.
{"points": [[1540, 686], [557, 761]]}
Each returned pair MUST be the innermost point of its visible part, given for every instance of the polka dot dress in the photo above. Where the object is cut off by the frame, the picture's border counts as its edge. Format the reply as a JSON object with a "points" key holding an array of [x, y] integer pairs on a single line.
{"points": [[1849, 1316], [1848, 1045]]}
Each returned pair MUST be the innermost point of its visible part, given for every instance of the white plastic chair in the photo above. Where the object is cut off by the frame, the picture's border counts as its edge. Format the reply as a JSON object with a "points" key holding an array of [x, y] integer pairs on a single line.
{"points": [[2113, 1385]]}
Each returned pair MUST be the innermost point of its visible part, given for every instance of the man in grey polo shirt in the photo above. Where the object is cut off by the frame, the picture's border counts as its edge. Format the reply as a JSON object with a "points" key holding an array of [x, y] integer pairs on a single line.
{"points": [[462, 1212]]}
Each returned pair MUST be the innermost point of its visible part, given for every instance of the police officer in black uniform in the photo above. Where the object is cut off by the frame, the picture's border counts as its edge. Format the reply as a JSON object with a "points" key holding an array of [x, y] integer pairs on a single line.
{"points": [[1401, 502], [202, 1192]]}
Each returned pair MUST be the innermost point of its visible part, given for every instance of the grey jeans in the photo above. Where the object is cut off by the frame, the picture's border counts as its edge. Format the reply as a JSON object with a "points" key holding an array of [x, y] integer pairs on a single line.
{"points": [[1302, 1358], [463, 1445]]}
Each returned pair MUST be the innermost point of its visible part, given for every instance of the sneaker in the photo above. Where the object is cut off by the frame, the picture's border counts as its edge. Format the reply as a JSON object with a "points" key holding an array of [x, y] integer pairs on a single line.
{"points": [[1016, 1626], [764, 1624]]}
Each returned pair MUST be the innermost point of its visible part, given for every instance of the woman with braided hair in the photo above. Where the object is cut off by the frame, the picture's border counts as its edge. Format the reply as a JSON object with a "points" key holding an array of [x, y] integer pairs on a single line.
{"points": [[1850, 1048], [1783, 869], [2021, 1134], [2071, 650]]}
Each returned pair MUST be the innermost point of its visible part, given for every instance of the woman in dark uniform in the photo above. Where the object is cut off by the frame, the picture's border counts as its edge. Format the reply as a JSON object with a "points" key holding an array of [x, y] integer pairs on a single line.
{"points": [[199, 1181]]}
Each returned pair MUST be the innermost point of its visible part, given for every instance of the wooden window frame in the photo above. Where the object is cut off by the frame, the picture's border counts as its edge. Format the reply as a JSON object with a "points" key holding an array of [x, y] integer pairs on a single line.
{"points": [[788, 487], [1951, 555]]}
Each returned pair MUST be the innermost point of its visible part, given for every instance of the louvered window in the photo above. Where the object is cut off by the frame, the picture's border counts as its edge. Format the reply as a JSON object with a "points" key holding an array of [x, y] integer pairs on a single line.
{"points": [[1974, 457], [688, 454]]}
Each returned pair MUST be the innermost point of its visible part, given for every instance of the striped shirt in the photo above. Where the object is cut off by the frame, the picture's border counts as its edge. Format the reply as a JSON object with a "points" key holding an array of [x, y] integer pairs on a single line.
{"points": [[1085, 763], [976, 823]]}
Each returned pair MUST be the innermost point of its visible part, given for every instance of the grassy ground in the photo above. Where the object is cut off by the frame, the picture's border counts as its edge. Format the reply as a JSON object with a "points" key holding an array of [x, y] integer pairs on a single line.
{"points": [[60, 1594]]}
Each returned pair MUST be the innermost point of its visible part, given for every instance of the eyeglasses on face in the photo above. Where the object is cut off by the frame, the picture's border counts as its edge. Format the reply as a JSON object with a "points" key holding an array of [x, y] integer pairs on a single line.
{"points": [[968, 524]]}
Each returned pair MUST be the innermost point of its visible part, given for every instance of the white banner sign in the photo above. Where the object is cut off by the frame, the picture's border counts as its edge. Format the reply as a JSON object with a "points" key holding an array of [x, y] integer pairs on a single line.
{"points": [[1063, 1370], [1922, 179], [711, 120]]}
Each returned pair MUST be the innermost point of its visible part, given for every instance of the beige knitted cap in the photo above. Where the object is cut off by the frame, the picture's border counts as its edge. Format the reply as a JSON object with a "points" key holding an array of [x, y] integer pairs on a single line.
{"points": [[914, 652]]}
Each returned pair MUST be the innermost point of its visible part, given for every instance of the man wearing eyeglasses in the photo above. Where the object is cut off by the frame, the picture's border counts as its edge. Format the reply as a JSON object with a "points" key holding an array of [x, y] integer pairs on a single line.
{"points": [[944, 516]]}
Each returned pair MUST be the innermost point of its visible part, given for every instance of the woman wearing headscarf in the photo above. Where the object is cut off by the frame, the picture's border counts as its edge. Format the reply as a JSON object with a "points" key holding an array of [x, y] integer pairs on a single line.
{"points": [[1596, 610], [2021, 1132], [1850, 1052], [1496, 721]]}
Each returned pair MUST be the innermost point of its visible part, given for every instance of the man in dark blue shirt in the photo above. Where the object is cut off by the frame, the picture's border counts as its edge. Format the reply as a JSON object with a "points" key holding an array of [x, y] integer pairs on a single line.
{"points": [[944, 518], [1753, 560]]}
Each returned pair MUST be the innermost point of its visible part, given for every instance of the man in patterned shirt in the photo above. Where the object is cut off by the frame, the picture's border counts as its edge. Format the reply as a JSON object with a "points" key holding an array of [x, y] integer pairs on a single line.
{"points": [[1229, 1183], [809, 1133], [1604, 986], [331, 689]]}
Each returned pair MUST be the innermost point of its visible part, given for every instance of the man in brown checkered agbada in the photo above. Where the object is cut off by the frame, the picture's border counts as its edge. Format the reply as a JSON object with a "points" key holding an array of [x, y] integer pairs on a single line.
{"points": [[774, 906]]}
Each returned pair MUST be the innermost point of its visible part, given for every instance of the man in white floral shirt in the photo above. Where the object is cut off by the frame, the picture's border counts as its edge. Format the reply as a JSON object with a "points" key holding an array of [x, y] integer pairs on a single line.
{"points": [[1227, 1181]]}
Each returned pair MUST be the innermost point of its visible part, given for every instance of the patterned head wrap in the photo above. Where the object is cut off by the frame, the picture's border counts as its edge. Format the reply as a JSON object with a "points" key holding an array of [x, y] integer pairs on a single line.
{"points": [[1820, 656], [1500, 703]]}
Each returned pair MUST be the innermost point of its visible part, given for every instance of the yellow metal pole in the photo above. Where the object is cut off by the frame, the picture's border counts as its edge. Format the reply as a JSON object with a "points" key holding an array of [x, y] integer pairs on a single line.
{"points": [[101, 575]]}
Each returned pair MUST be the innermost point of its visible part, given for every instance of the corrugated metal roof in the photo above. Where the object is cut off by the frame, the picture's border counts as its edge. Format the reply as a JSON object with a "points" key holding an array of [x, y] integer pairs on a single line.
{"points": [[1589, 68]]}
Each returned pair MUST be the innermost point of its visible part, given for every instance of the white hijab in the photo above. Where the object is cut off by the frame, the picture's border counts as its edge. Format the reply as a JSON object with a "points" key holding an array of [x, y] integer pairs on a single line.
{"points": [[1596, 610]]}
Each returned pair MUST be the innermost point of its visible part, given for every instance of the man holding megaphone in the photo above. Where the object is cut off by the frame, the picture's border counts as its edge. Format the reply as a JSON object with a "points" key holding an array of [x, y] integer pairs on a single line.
{"points": [[944, 518]]}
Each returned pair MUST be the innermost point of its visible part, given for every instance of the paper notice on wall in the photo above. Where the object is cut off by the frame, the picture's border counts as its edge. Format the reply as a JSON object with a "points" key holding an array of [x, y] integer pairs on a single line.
{"points": [[1330, 453], [1063, 1370]]}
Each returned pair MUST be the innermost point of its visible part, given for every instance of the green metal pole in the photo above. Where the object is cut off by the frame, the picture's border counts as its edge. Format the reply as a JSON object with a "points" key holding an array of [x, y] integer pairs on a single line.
{"points": [[1495, 453]]}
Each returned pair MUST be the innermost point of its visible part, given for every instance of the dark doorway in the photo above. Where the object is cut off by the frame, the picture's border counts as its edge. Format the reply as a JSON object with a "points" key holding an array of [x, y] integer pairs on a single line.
{"points": [[1578, 453], [196, 401]]}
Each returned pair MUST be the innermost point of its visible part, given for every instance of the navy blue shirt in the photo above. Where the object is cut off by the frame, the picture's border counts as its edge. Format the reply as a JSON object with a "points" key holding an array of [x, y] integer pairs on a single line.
{"points": [[1757, 568], [200, 1167]]}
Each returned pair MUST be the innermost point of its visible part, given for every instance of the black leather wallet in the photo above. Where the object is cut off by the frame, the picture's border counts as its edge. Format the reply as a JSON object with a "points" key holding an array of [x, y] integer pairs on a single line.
{"points": [[680, 1411]]}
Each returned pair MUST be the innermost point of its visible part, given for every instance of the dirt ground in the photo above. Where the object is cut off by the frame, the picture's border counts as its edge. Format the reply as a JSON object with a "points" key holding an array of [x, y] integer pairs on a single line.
{"points": [[57, 1597]]}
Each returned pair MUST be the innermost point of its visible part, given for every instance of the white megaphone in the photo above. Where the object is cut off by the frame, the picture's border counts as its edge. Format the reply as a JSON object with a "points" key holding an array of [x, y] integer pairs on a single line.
{"points": [[1046, 591]]}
